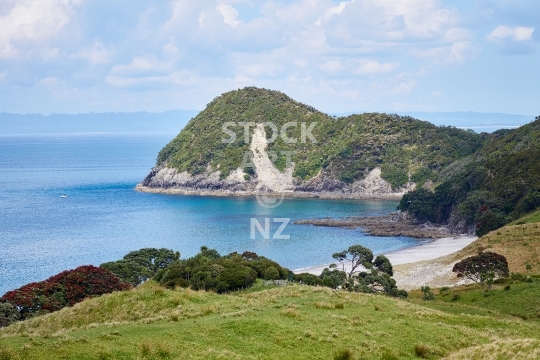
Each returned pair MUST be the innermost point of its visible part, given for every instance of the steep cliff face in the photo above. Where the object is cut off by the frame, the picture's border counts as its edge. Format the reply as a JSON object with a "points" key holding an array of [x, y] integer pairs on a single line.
{"points": [[253, 140]]}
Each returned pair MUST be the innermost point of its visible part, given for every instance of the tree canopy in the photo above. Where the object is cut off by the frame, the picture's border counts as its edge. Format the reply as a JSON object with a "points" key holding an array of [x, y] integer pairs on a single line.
{"points": [[481, 267]]}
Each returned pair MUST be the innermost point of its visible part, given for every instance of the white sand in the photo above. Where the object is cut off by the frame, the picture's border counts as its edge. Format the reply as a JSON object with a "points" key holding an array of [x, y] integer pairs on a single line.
{"points": [[427, 251]]}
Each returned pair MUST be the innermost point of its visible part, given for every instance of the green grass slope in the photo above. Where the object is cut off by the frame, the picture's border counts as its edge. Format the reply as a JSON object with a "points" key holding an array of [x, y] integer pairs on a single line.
{"points": [[346, 149], [296, 322]]}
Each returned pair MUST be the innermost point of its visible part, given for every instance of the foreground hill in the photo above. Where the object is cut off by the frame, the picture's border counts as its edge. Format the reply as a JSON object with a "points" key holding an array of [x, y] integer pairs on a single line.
{"points": [[313, 155], [295, 322]]}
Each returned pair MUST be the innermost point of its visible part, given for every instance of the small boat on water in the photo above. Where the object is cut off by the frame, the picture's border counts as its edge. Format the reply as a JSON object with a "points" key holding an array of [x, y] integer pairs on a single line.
{"points": [[63, 196]]}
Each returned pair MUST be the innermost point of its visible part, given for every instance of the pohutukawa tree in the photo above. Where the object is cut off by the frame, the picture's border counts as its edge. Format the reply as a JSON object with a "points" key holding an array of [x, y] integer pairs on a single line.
{"points": [[360, 256], [484, 267]]}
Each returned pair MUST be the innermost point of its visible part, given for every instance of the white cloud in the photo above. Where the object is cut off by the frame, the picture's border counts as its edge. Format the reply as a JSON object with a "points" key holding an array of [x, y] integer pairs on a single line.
{"points": [[368, 66], [404, 87], [516, 33], [34, 21], [334, 10], [140, 65], [3, 75], [97, 54], [332, 66], [230, 14]]}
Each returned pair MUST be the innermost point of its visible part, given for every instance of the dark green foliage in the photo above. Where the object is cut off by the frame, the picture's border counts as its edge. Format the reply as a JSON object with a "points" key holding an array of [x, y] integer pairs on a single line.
{"points": [[378, 282], [138, 266], [333, 278], [359, 256], [8, 314], [490, 220], [129, 271], [347, 147], [422, 175], [498, 184], [382, 264], [484, 267], [308, 279], [271, 273], [208, 270]]}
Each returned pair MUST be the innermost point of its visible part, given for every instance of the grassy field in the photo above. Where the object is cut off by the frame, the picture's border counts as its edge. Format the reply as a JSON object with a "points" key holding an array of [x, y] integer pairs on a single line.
{"points": [[520, 244], [295, 322]]}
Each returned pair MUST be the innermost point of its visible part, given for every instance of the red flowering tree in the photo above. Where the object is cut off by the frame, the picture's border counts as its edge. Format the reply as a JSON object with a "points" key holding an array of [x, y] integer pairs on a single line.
{"points": [[64, 289], [485, 266]]}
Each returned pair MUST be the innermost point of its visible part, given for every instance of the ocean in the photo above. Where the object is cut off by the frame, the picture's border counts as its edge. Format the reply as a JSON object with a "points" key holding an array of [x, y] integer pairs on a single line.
{"points": [[103, 217]]}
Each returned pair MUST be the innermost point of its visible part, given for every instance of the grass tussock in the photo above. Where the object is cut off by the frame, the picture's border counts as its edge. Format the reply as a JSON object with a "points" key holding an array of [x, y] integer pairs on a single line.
{"points": [[346, 354], [421, 350]]}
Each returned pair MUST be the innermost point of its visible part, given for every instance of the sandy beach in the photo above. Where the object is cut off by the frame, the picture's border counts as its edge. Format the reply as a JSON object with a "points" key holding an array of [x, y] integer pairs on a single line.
{"points": [[413, 266]]}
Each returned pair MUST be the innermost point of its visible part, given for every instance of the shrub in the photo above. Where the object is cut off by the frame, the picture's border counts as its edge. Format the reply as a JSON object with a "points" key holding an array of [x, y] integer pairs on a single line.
{"points": [[64, 289], [427, 294], [507, 288], [271, 273], [8, 314], [444, 290], [456, 297]]}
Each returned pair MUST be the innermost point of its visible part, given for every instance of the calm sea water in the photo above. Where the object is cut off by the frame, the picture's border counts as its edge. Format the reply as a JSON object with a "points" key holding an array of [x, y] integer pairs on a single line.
{"points": [[103, 218]]}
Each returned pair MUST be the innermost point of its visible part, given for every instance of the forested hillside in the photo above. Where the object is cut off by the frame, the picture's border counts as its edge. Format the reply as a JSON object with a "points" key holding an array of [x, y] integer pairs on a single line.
{"points": [[496, 185], [345, 149]]}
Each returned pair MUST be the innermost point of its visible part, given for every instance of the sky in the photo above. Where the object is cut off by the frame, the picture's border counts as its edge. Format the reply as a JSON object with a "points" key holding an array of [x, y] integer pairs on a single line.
{"points": [[80, 56]]}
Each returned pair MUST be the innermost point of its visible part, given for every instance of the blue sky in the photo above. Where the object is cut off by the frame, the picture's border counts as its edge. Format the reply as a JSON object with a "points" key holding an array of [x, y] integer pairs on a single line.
{"points": [[78, 56]]}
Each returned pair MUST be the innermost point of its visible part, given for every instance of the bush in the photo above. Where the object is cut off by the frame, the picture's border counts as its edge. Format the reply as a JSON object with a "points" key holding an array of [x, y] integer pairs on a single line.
{"points": [[271, 273], [208, 270], [456, 297], [64, 289], [8, 314], [507, 288], [427, 294]]}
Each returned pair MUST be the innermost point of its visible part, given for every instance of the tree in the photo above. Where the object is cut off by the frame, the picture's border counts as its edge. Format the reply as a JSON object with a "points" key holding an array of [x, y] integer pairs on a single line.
{"points": [[271, 273], [333, 277], [152, 259], [375, 282], [483, 267], [140, 265], [382, 263], [341, 257], [127, 270]]}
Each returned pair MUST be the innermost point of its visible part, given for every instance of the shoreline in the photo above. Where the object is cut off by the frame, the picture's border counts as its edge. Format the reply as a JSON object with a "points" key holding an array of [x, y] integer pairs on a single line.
{"points": [[425, 251], [292, 194]]}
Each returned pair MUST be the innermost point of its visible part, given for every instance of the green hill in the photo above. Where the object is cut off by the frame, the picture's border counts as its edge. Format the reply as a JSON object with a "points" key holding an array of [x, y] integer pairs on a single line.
{"points": [[497, 184], [295, 322], [346, 150]]}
